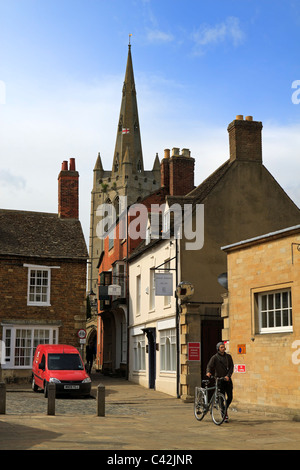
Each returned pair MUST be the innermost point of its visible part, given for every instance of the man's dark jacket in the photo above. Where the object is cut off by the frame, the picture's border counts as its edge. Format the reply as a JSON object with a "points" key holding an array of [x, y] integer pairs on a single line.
{"points": [[220, 365]]}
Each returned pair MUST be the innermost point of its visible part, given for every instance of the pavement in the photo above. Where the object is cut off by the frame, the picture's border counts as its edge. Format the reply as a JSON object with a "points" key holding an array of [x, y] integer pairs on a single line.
{"points": [[136, 419]]}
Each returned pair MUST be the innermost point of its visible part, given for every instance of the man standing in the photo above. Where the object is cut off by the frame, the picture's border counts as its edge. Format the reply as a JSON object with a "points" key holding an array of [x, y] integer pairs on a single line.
{"points": [[221, 365]]}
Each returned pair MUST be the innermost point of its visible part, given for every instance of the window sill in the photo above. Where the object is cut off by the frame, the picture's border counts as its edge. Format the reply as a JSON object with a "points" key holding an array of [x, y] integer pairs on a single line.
{"points": [[38, 304], [275, 331]]}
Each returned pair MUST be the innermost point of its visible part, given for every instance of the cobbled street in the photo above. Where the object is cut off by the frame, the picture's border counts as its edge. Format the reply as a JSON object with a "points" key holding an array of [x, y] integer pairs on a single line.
{"points": [[135, 419]]}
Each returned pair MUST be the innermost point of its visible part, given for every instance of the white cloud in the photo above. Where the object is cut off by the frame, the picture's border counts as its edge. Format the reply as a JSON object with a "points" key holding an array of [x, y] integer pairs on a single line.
{"points": [[11, 181], [80, 121], [228, 30], [157, 36]]}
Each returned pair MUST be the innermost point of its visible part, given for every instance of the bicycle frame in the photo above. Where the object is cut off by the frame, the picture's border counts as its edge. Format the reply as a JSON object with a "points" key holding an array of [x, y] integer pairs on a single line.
{"points": [[216, 404]]}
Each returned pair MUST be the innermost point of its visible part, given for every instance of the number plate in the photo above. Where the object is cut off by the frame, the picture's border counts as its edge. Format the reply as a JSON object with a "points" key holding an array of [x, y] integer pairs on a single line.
{"points": [[71, 387]]}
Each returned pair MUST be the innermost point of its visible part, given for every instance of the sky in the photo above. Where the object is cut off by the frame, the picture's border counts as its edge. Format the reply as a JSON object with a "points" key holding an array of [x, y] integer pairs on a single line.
{"points": [[197, 65]]}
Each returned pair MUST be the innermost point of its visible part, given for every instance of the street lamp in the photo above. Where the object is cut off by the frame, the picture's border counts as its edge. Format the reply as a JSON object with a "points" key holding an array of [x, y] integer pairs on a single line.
{"points": [[92, 297]]}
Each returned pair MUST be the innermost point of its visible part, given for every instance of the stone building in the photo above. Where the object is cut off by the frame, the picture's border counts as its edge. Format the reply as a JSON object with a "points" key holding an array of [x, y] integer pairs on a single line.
{"points": [[240, 200], [262, 320], [43, 278], [127, 177], [176, 177]]}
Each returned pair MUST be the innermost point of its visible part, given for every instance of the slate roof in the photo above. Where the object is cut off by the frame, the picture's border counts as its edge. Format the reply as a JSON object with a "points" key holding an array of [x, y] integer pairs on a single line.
{"points": [[39, 234], [204, 188]]}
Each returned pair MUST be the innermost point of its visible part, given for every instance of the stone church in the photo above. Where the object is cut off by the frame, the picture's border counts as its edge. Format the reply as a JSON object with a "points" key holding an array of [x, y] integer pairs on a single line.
{"points": [[127, 176]]}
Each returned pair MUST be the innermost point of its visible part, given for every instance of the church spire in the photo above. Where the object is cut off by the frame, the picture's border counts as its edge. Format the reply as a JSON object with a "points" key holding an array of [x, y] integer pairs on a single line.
{"points": [[128, 133]]}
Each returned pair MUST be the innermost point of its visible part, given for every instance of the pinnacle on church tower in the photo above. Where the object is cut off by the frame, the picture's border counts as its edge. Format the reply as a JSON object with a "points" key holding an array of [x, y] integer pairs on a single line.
{"points": [[128, 141]]}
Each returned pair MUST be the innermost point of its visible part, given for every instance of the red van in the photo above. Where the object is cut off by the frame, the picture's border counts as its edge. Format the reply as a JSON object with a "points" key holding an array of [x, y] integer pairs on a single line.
{"points": [[62, 365]]}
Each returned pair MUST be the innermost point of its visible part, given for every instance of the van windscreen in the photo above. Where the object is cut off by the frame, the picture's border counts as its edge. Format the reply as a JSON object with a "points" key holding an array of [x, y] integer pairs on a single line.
{"points": [[64, 362]]}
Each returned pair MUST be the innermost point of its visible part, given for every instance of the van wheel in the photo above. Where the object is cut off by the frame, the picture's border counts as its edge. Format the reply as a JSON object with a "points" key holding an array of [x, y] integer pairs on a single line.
{"points": [[46, 390], [33, 385]]}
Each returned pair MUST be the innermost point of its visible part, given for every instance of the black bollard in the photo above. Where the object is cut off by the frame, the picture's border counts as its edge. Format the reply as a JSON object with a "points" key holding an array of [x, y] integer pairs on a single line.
{"points": [[2, 398], [51, 399], [101, 400]]}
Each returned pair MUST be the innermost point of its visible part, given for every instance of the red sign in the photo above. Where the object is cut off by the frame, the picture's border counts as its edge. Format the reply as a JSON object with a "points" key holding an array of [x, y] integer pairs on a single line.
{"points": [[81, 334], [240, 368], [194, 351]]}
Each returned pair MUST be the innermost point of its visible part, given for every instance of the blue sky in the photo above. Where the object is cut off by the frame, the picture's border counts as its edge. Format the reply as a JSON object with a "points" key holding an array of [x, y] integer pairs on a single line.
{"points": [[197, 65]]}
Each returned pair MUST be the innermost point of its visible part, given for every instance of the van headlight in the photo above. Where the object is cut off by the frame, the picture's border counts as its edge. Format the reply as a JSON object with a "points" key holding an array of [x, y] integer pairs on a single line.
{"points": [[86, 381], [54, 380]]}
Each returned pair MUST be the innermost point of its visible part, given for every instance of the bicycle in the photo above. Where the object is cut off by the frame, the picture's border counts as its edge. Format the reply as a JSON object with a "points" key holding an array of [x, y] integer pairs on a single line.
{"points": [[216, 405]]}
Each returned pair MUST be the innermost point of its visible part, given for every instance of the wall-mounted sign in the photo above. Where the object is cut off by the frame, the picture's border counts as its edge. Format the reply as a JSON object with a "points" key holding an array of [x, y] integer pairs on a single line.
{"points": [[194, 351], [241, 349], [240, 368], [163, 284]]}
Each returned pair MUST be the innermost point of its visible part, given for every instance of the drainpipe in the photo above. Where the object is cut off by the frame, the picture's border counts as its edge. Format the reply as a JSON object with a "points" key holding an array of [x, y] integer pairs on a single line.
{"points": [[177, 324]]}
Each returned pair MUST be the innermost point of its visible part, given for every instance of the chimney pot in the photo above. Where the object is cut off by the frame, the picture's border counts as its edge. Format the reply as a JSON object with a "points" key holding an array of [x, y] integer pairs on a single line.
{"points": [[240, 117], [186, 153], [249, 118], [175, 152], [167, 153], [72, 164], [64, 166]]}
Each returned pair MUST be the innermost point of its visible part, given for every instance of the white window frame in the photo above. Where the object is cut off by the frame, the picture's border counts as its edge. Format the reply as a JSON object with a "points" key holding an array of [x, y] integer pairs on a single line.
{"points": [[47, 287], [152, 290], [138, 294], [167, 298], [21, 342], [139, 350], [270, 309], [44, 288], [167, 348], [119, 278]]}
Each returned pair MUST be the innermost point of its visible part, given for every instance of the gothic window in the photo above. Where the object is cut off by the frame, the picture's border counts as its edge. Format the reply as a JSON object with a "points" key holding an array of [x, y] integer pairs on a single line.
{"points": [[116, 164], [139, 166], [121, 123]]}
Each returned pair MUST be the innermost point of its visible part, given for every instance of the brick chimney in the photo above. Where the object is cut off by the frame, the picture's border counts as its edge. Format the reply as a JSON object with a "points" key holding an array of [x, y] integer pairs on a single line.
{"points": [[68, 192], [245, 139], [181, 172], [165, 170]]}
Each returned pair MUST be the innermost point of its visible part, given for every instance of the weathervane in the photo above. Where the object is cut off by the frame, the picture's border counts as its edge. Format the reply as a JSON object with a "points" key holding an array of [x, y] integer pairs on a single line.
{"points": [[129, 38]]}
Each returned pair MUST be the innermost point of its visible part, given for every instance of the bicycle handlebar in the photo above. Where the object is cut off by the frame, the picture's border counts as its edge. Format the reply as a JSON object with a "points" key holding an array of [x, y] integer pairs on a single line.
{"points": [[206, 381]]}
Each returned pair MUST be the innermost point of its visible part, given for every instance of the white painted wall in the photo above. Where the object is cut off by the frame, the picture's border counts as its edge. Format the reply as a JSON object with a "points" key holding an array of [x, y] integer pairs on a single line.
{"points": [[161, 316]]}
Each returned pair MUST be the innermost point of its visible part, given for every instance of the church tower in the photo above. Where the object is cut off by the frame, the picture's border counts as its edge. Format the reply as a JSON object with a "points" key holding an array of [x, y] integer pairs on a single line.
{"points": [[127, 176]]}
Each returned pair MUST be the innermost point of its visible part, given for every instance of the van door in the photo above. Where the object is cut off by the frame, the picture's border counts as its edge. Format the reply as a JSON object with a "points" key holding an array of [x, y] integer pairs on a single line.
{"points": [[41, 366]]}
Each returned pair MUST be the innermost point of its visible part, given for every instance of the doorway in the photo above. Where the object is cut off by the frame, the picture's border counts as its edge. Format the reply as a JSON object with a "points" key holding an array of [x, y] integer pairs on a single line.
{"points": [[211, 334], [151, 349]]}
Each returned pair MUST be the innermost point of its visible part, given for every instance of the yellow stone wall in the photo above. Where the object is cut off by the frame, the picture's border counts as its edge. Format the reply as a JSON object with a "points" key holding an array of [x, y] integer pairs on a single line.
{"points": [[272, 361]]}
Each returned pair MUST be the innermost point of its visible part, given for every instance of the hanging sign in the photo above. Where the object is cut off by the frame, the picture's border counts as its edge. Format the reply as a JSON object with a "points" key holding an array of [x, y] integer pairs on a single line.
{"points": [[163, 284], [114, 289]]}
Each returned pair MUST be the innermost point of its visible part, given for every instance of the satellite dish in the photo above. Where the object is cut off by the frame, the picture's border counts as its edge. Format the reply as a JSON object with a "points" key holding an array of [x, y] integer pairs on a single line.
{"points": [[223, 281]]}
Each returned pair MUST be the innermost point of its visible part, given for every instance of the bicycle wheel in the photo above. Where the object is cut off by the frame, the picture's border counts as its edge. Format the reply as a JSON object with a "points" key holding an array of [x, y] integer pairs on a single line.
{"points": [[199, 404], [218, 408]]}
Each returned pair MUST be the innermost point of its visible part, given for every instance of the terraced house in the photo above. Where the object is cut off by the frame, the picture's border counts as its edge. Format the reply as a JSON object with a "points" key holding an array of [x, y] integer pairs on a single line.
{"points": [[42, 277]]}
